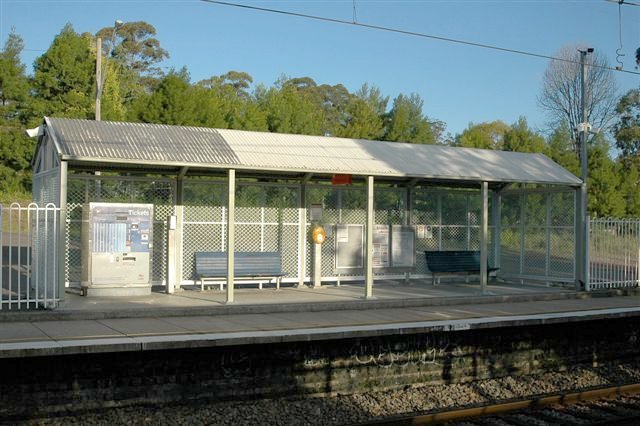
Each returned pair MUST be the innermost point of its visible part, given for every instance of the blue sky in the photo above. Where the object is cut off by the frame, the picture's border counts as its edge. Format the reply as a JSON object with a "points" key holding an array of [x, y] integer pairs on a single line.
{"points": [[459, 84]]}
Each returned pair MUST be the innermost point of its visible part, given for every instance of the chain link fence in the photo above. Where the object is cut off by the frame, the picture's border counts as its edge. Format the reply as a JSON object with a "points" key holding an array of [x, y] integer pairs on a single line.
{"points": [[537, 238], [83, 189]]}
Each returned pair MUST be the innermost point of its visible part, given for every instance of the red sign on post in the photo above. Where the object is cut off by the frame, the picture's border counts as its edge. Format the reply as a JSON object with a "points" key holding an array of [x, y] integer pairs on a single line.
{"points": [[341, 180]]}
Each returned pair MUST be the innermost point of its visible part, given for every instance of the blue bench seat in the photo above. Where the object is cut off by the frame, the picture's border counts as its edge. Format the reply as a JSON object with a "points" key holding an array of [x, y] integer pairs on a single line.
{"points": [[452, 262], [248, 266]]}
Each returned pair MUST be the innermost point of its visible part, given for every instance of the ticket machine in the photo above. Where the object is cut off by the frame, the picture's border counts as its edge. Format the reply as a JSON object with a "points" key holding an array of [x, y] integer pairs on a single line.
{"points": [[117, 244]]}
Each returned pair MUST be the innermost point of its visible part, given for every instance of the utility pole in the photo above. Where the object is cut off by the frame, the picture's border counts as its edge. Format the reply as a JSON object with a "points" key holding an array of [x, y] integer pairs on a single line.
{"points": [[100, 76], [99, 81], [582, 267]]}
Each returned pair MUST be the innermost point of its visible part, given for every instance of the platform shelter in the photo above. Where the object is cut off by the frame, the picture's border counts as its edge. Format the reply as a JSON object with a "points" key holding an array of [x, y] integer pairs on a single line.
{"points": [[381, 204]]}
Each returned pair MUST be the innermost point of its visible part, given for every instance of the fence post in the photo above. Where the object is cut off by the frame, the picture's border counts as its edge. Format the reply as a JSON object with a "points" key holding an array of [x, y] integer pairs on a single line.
{"points": [[587, 241], [62, 233]]}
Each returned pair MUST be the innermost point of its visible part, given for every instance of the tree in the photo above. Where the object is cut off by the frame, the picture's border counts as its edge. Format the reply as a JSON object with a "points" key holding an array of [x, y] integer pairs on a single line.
{"points": [[290, 110], [364, 114], [484, 135], [605, 199], [135, 46], [561, 91], [560, 149], [14, 85], [172, 102], [63, 82], [406, 123], [627, 127], [228, 103], [16, 151], [521, 138]]}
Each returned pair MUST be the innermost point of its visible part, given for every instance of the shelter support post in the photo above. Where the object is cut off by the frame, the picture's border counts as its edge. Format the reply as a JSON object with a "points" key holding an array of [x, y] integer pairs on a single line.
{"points": [[62, 232], [407, 222], [302, 234], [231, 233], [581, 238], [484, 233], [496, 212], [179, 231], [171, 254], [368, 276]]}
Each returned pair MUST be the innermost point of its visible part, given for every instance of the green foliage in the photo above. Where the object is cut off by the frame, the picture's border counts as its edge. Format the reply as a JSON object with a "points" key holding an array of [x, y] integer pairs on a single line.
{"points": [[521, 138], [483, 135], [135, 89], [561, 149], [291, 109], [604, 198], [364, 114], [64, 77], [133, 45], [171, 102], [16, 151], [406, 123], [627, 127], [14, 85]]}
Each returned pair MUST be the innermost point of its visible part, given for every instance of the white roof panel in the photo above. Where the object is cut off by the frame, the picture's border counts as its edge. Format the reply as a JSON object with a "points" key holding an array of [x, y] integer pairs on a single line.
{"points": [[162, 145]]}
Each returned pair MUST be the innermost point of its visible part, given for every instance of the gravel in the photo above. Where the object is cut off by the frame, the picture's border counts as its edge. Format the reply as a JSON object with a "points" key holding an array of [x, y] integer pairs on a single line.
{"points": [[358, 408]]}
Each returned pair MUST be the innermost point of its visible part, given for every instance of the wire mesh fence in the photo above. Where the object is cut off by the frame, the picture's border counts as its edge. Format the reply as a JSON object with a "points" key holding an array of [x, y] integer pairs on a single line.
{"points": [[537, 238], [83, 189]]}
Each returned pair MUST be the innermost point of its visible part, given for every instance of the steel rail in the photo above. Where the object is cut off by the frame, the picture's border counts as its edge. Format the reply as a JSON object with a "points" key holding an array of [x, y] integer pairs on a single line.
{"points": [[505, 407]]}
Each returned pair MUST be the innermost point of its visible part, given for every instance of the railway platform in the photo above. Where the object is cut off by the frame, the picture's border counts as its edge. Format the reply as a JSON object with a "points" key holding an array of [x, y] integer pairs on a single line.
{"points": [[193, 319]]}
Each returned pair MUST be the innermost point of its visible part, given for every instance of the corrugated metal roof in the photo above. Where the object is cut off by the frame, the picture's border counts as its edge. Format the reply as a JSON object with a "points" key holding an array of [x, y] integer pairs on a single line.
{"points": [[162, 145]]}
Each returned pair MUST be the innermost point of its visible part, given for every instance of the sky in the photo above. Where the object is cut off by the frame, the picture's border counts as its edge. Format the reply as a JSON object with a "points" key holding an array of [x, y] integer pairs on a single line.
{"points": [[459, 84]]}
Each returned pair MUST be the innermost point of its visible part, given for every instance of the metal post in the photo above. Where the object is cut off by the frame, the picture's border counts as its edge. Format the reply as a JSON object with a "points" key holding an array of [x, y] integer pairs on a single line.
{"points": [[317, 265], [408, 203], [496, 208], [549, 224], [62, 232], [584, 128], [368, 293], [484, 231], [179, 232], [231, 233], [98, 76], [578, 230], [302, 234], [171, 254]]}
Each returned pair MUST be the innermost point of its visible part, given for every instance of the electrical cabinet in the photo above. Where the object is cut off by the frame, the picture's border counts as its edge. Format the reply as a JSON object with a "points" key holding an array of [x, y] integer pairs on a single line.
{"points": [[117, 244]]}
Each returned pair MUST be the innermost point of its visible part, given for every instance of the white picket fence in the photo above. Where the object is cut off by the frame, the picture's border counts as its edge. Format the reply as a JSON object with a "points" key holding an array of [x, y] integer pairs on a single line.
{"points": [[614, 253], [29, 264]]}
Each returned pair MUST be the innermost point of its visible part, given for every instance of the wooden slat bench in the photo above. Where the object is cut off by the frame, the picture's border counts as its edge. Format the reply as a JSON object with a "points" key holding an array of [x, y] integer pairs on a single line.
{"points": [[255, 266], [452, 262]]}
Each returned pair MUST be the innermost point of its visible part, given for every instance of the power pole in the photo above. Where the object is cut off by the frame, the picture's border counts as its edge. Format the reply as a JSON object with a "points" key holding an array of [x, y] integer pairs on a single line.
{"points": [[99, 81], [582, 267]]}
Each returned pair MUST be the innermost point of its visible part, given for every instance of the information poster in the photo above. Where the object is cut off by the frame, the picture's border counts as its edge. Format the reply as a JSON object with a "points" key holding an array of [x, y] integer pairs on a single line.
{"points": [[403, 247], [381, 246]]}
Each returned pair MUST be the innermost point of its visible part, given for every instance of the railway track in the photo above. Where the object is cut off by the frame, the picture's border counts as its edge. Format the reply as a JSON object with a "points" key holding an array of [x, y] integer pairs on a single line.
{"points": [[619, 405]]}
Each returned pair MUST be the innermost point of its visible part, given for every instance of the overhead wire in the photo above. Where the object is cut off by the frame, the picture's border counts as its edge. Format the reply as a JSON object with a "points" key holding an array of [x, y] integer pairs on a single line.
{"points": [[625, 2], [412, 33], [619, 53]]}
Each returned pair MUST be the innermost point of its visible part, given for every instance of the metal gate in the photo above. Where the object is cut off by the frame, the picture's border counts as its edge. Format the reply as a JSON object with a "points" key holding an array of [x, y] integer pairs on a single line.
{"points": [[29, 266], [614, 253]]}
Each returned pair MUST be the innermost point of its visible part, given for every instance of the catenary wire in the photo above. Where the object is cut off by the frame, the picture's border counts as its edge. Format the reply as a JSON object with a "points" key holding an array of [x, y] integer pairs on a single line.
{"points": [[411, 33]]}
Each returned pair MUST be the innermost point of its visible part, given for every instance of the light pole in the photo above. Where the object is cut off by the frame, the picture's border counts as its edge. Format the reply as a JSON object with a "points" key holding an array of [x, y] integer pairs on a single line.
{"points": [[100, 75], [584, 127]]}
